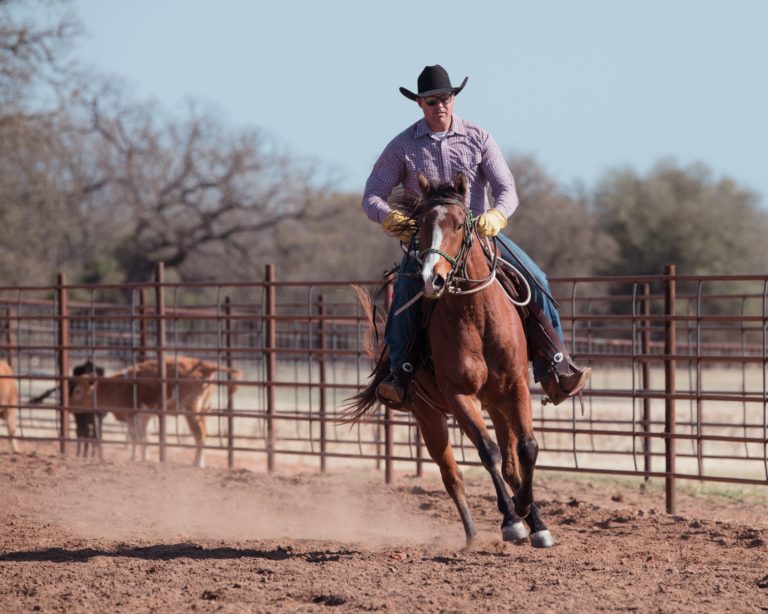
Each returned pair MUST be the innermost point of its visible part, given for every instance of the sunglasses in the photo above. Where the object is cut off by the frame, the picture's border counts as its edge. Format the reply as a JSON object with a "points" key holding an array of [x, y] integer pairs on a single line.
{"points": [[431, 101]]}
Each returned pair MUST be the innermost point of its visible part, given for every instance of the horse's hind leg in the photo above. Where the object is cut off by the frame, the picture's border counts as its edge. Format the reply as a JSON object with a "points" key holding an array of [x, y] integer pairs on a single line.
{"points": [[434, 430], [540, 537]]}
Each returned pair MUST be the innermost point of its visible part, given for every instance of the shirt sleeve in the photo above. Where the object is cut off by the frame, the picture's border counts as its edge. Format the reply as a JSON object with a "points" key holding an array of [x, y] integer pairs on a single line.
{"points": [[388, 172], [499, 177]]}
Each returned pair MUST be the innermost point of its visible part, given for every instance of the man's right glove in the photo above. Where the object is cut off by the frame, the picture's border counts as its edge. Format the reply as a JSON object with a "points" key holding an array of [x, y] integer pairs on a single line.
{"points": [[399, 225], [490, 223]]}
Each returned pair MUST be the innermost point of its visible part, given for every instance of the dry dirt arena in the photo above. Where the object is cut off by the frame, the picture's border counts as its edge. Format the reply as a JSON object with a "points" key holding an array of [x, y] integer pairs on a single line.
{"points": [[115, 536]]}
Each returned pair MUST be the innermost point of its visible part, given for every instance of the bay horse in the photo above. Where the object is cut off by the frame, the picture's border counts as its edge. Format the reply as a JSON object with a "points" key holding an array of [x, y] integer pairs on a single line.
{"points": [[480, 359]]}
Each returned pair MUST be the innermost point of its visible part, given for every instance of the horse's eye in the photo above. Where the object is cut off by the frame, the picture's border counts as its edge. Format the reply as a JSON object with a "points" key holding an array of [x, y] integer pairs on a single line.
{"points": [[458, 226]]}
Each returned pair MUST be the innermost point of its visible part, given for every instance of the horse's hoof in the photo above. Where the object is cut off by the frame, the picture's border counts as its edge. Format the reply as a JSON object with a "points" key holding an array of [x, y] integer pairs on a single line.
{"points": [[516, 532], [542, 539]]}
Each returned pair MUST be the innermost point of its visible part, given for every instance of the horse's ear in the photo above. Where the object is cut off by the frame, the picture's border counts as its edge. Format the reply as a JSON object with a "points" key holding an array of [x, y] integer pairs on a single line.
{"points": [[460, 183], [423, 184]]}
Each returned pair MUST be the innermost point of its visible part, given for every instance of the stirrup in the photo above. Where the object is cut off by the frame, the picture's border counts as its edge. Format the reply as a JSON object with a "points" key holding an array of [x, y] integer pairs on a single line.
{"points": [[559, 385], [557, 393]]}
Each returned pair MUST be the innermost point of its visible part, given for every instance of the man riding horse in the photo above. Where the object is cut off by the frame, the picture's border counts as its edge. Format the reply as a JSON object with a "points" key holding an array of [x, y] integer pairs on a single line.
{"points": [[440, 145]]}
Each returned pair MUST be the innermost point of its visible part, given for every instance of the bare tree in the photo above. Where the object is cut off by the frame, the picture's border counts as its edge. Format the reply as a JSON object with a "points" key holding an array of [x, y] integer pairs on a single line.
{"points": [[47, 219], [35, 37], [193, 187]]}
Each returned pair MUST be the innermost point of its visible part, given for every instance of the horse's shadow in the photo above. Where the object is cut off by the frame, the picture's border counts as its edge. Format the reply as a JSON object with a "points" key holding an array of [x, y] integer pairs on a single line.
{"points": [[165, 552]]}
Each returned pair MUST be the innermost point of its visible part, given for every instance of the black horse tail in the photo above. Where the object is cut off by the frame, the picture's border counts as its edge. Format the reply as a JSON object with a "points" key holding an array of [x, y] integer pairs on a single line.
{"points": [[365, 402]]}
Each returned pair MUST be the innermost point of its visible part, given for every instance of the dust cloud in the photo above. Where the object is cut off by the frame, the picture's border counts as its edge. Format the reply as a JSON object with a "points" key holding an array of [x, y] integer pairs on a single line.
{"points": [[164, 502]]}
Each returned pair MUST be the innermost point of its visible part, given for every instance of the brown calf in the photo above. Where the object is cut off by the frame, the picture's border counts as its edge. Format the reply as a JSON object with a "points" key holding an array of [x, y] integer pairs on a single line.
{"points": [[9, 401], [189, 387]]}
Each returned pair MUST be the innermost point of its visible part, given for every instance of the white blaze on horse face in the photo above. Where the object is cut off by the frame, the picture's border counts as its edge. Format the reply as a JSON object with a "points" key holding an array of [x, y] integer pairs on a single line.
{"points": [[432, 259]]}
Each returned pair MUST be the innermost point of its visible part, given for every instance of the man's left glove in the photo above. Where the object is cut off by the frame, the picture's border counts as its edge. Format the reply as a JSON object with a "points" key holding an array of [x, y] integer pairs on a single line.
{"points": [[490, 223], [399, 225]]}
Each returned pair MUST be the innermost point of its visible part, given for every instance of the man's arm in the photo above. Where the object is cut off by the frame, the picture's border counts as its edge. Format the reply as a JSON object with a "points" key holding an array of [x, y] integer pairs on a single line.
{"points": [[500, 178], [386, 174]]}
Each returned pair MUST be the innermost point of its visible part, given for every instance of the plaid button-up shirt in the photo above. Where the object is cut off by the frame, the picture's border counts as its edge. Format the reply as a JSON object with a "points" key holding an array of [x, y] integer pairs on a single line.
{"points": [[466, 147]]}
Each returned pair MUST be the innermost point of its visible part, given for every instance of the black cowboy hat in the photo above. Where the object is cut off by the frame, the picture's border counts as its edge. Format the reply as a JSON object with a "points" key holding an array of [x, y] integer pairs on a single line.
{"points": [[433, 80]]}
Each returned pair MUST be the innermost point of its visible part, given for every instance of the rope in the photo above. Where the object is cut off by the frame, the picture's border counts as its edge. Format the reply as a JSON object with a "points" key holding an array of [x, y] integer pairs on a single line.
{"points": [[409, 303]]}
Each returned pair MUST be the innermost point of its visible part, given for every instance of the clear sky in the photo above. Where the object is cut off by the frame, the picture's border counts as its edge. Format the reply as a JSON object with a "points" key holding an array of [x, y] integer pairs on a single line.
{"points": [[583, 85]]}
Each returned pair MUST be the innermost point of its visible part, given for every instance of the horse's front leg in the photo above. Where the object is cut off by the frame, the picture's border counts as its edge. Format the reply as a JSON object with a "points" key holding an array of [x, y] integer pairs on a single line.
{"points": [[540, 536], [517, 412], [434, 431], [466, 409]]}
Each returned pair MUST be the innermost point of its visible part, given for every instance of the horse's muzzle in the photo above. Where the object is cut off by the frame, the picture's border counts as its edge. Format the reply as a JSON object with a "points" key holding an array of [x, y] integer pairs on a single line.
{"points": [[434, 286]]}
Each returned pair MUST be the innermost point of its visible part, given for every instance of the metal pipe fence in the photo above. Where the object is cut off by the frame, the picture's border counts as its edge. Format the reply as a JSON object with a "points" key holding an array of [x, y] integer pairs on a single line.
{"points": [[678, 391]]}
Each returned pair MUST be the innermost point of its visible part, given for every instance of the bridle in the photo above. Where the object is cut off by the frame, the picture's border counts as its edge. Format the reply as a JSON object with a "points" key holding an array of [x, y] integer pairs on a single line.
{"points": [[467, 239], [457, 281]]}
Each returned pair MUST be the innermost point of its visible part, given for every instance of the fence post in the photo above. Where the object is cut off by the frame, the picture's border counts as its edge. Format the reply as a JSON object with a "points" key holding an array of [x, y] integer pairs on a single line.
{"points": [[669, 384], [322, 312], [270, 347], [230, 407], [143, 325], [645, 348], [162, 371], [63, 343]]}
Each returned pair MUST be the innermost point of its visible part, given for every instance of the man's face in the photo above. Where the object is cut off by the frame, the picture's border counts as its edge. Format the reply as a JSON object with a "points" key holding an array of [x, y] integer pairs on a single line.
{"points": [[437, 109]]}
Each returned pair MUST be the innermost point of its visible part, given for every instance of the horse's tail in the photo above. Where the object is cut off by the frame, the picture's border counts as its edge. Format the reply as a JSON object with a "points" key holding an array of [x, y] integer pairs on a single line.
{"points": [[373, 338], [357, 407]]}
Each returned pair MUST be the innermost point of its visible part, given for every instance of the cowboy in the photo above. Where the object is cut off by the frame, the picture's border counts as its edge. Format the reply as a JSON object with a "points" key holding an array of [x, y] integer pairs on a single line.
{"points": [[439, 145]]}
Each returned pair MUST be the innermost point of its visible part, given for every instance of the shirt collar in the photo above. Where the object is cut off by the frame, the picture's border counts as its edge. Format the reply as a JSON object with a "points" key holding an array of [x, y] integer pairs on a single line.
{"points": [[457, 127]]}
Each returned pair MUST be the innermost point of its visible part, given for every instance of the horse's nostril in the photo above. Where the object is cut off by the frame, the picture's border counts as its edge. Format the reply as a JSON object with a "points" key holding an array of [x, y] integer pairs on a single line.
{"points": [[438, 282]]}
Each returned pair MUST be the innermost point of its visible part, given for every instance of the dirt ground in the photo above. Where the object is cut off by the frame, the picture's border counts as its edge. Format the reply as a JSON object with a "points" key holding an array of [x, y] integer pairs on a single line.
{"points": [[88, 536]]}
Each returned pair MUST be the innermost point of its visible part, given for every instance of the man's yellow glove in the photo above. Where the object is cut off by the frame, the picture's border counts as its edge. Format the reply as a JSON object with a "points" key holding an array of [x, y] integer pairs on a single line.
{"points": [[490, 223], [399, 225]]}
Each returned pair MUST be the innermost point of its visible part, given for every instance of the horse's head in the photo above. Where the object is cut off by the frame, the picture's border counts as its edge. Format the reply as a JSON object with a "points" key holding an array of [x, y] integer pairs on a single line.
{"points": [[443, 220]]}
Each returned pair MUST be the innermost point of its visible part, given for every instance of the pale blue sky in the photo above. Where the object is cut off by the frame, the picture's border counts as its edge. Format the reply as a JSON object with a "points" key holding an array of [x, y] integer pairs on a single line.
{"points": [[585, 85]]}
